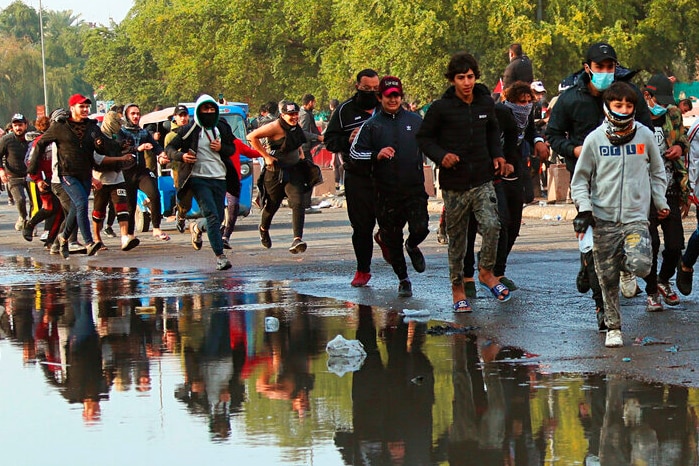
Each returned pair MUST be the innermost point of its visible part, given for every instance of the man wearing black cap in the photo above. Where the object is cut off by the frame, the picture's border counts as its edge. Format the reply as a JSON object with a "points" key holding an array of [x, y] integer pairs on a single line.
{"points": [[284, 174], [674, 146], [387, 141], [180, 118], [578, 111], [13, 170]]}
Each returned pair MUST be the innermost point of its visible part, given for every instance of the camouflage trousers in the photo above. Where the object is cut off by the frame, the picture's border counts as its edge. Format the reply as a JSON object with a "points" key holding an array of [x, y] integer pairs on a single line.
{"points": [[458, 206], [619, 247]]}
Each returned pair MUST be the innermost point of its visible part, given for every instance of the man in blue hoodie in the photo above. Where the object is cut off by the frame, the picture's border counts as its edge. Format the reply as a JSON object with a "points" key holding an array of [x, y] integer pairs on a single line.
{"points": [[460, 133], [200, 153]]}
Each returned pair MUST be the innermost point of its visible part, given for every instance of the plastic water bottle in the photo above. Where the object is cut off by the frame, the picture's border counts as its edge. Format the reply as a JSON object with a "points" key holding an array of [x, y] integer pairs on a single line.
{"points": [[585, 243]]}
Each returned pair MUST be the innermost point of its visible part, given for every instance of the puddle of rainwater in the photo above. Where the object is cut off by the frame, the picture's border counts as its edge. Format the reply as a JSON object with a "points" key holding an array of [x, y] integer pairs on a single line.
{"points": [[153, 366]]}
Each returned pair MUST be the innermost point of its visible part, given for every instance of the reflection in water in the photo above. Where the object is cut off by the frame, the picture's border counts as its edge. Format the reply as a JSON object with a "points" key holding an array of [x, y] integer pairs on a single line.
{"points": [[133, 345]]}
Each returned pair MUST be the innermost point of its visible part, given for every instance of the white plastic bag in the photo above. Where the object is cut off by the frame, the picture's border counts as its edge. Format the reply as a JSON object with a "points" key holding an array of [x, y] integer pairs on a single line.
{"points": [[339, 346]]}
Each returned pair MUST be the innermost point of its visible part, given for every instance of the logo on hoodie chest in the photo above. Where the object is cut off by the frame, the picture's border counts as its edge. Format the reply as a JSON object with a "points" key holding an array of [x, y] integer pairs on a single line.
{"points": [[626, 149]]}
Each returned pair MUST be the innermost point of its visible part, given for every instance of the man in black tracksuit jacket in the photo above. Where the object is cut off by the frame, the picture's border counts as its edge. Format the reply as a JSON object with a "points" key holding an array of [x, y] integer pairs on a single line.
{"points": [[341, 131], [388, 141]]}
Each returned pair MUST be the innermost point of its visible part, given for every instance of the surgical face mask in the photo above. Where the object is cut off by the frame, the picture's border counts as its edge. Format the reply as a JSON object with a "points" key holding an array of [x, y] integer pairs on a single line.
{"points": [[657, 109], [601, 81]]}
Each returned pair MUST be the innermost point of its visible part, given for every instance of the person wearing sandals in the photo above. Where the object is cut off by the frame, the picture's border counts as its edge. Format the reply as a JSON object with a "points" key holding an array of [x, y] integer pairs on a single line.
{"points": [[139, 176], [672, 140], [468, 166], [618, 174], [387, 140], [519, 137], [685, 266]]}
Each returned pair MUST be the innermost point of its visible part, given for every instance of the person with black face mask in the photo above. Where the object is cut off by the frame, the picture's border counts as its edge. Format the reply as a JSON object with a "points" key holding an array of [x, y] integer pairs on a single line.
{"points": [[359, 191]]}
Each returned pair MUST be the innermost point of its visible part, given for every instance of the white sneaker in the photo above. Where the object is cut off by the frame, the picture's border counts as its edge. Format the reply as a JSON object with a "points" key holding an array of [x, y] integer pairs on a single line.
{"points": [[628, 285], [222, 262], [614, 339]]}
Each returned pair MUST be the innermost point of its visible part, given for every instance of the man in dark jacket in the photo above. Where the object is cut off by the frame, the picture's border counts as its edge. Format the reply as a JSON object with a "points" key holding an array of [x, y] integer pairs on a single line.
{"points": [[387, 140], [577, 112], [77, 139], [339, 135], [460, 134], [13, 170], [519, 68], [200, 153]]}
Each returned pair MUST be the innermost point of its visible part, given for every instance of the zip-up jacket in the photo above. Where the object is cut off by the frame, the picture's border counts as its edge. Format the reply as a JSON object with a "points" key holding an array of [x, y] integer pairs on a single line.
{"points": [[136, 137], [616, 183], [13, 150], [75, 155], [347, 116], [470, 131], [403, 174], [577, 113]]}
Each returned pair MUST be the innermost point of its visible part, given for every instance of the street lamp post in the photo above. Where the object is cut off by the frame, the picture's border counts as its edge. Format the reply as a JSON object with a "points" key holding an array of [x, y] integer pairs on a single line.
{"points": [[43, 56]]}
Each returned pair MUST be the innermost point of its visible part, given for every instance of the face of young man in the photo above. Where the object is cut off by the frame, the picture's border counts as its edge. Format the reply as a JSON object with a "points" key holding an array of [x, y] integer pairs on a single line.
{"points": [[182, 119], [464, 84], [134, 115], [19, 128], [368, 84], [291, 118], [79, 112], [391, 103]]}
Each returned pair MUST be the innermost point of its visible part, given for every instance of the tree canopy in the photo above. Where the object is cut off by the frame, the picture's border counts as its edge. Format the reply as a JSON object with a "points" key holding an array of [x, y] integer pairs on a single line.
{"points": [[166, 51]]}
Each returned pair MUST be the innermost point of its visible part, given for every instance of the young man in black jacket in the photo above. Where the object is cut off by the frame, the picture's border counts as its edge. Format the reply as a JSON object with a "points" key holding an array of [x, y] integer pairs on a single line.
{"points": [[387, 141], [339, 135], [460, 134]]}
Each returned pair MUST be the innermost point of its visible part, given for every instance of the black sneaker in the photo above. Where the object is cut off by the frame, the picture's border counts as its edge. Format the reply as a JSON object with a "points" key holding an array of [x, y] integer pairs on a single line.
{"points": [[109, 232], [265, 239], [28, 231], [405, 289], [416, 257], [94, 247], [297, 246], [226, 244], [180, 225]]}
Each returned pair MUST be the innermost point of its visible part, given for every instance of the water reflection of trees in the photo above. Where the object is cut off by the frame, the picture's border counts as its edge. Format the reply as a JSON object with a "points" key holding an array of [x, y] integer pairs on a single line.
{"points": [[417, 399]]}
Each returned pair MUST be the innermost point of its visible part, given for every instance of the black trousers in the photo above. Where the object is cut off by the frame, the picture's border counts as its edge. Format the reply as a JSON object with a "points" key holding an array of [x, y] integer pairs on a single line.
{"points": [[361, 205]]}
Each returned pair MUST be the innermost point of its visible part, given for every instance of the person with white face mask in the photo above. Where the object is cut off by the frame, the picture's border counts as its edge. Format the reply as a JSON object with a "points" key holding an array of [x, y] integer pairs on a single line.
{"points": [[671, 138], [578, 111]]}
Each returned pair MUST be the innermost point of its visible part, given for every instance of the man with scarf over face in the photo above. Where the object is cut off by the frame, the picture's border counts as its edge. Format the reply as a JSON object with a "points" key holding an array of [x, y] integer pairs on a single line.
{"points": [[200, 153], [577, 112], [339, 135], [619, 172], [284, 174]]}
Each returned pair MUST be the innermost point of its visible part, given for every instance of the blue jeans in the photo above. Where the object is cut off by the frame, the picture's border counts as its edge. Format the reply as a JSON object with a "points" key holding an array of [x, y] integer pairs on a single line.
{"points": [[210, 195], [78, 190]]}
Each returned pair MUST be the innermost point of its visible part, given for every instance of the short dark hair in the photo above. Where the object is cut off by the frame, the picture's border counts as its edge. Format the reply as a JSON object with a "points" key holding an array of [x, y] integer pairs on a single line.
{"points": [[620, 91], [307, 99], [461, 62], [366, 73], [686, 102], [516, 90], [516, 48], [272, 107]]}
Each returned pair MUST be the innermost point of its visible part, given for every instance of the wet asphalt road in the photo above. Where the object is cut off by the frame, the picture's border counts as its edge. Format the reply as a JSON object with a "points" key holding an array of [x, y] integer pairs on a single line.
{"points": [[546, 316]]}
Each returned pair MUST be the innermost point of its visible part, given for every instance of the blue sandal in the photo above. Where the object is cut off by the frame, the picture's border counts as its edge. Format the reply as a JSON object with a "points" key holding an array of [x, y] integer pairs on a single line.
{"points": [[462, 306], [497, 292]]}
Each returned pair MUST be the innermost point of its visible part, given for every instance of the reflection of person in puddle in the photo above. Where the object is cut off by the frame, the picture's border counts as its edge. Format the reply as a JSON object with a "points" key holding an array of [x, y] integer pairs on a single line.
{"points": [[85, 382], [287, 375], [409, 403]]}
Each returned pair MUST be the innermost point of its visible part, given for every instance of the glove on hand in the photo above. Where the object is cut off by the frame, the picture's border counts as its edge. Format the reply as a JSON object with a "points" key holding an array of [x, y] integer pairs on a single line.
{"points": [[582, 221]]}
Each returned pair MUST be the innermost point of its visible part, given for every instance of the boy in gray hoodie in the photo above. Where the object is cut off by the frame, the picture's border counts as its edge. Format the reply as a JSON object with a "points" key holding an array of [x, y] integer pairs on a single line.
{"points": [[617, 174]]}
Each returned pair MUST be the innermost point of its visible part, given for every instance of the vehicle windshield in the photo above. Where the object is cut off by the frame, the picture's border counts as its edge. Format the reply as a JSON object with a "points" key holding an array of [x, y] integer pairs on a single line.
{"points": [[237, 123]]}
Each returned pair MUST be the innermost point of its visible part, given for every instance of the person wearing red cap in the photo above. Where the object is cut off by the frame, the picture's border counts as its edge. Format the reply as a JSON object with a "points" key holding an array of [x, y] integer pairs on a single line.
{"points": [[77, 139], [387, 140]]}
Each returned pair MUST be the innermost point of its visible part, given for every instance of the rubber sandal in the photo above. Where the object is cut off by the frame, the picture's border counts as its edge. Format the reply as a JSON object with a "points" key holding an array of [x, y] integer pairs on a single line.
{"points": [[462, 306], [497, 292], [162, 236]]}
